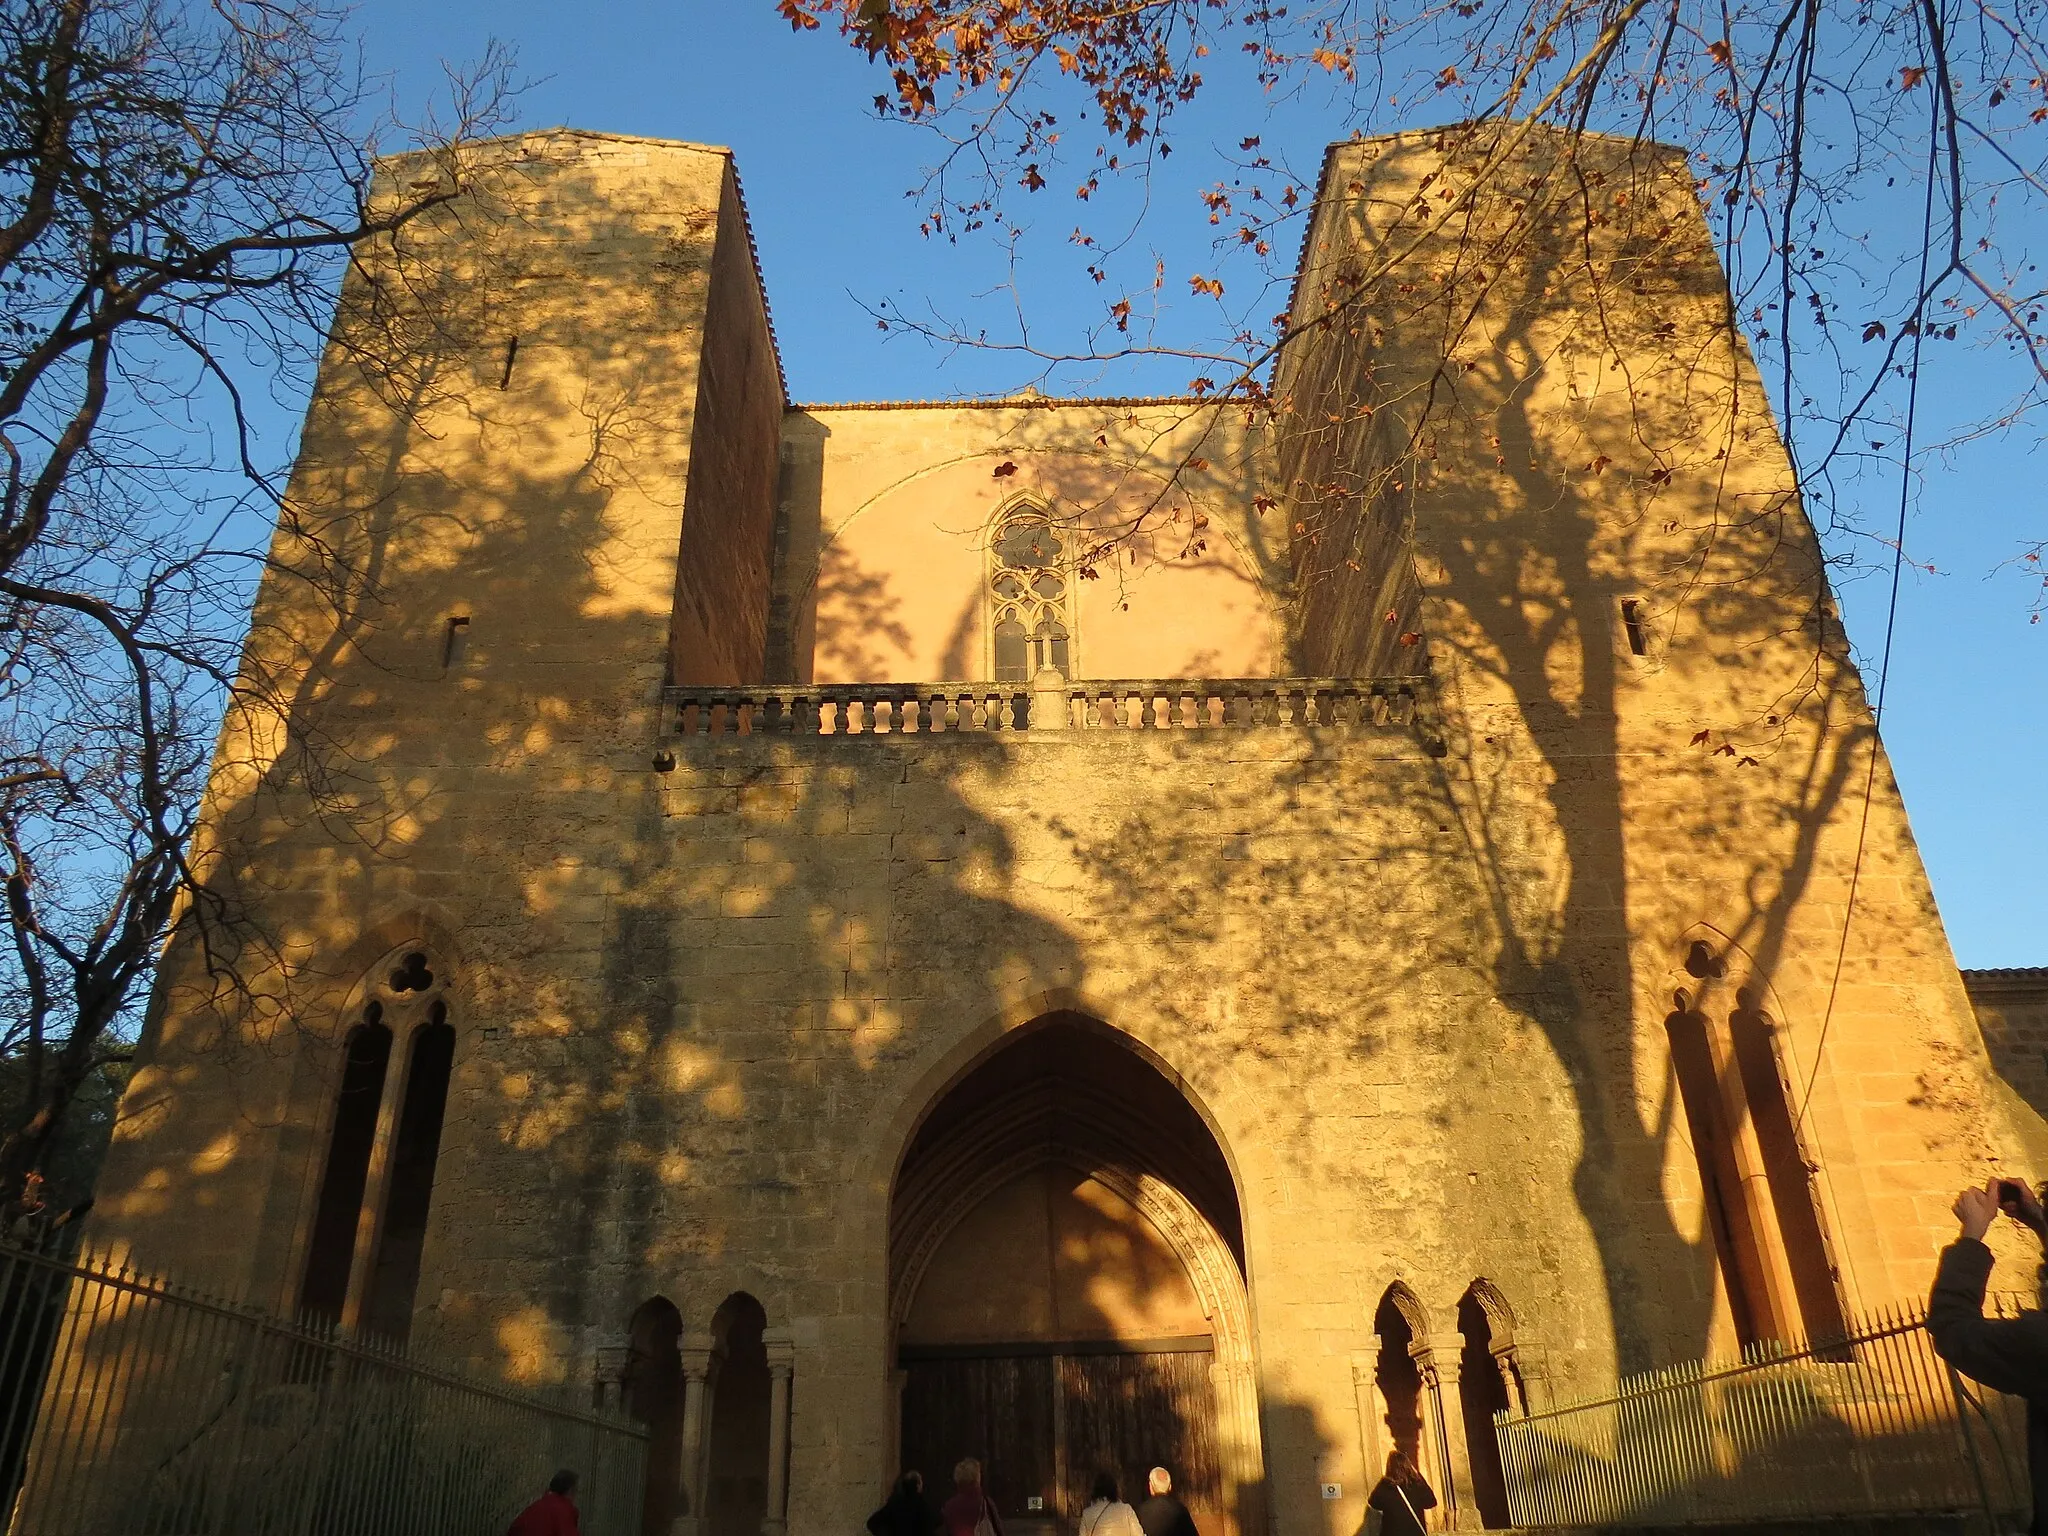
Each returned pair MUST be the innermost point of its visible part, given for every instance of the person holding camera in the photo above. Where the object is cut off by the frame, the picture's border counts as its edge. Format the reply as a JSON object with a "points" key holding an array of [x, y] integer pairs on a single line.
{"points": [[2006, 1354]]}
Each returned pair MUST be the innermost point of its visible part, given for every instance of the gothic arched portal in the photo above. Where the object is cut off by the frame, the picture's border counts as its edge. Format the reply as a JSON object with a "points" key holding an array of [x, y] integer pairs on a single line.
{"points": [[1067, 1287]]}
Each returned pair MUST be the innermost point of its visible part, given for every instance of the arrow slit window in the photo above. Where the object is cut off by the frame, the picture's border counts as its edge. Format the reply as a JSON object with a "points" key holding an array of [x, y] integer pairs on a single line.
{"points": [[1028, 581]]}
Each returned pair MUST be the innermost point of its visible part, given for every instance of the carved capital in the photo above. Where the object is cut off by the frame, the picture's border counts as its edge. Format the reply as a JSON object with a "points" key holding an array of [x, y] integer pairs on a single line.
{"points": [[1443, 1353], [1365, 1363], [695, 1349]]}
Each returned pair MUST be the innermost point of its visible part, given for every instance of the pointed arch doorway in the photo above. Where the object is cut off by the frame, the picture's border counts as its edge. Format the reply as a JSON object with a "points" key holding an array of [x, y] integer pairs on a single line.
{"points": [[1067, 1287]]}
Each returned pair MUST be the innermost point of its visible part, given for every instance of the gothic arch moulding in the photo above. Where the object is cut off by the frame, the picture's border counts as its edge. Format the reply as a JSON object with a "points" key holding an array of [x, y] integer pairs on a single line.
{"points": [[1500, 1317], [1403, 1300], [353, 968], [978, 1044]]}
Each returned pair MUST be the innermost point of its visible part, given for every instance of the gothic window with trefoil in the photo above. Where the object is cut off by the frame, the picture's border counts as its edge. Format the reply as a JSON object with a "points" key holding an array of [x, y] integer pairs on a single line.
{"points": [[1028, 580], [361, 1266]]}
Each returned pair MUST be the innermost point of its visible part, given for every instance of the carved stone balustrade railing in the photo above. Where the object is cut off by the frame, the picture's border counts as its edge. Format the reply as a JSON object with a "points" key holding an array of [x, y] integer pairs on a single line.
{"points": [[1086, 705], [1196, 704]]}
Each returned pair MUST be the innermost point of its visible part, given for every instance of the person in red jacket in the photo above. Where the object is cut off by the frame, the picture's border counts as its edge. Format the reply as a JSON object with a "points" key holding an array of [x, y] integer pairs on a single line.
{"points": [[553, 1513]]}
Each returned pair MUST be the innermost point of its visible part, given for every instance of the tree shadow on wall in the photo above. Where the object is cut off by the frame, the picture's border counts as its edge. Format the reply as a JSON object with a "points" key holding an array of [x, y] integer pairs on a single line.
{"points": [[1539, 488], [862, 611]]}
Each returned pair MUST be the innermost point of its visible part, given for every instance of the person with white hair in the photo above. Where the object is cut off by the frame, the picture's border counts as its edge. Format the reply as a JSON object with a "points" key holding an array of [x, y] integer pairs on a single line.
{"points": [[1162, 1514]]}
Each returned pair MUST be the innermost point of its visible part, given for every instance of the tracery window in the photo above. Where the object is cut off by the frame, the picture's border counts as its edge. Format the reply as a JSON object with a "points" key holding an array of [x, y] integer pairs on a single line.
{"points": [[1028, 597], [369, 1222]]}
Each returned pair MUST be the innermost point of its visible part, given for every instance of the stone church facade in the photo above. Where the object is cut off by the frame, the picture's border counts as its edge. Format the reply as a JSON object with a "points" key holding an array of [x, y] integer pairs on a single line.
{"points": [[800, 918]]}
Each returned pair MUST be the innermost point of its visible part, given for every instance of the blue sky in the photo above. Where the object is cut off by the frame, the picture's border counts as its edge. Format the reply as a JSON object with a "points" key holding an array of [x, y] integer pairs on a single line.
{"points": [[1967, 704]]}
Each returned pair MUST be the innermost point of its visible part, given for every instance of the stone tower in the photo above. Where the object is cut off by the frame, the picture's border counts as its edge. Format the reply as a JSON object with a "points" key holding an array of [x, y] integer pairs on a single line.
{"points": [[800, 916]]}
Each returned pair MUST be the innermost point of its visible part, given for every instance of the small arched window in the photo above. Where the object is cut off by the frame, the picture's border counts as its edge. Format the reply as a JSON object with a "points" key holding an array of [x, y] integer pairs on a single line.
{"points": [[1028, 597]]}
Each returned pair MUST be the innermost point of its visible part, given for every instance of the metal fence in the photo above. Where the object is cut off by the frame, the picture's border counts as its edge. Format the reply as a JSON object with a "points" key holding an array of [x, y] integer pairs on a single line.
{"points": [[1871, 1423], [128, 1405]]}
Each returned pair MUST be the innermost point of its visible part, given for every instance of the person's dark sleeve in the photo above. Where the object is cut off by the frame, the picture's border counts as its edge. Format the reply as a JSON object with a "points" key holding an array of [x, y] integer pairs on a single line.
{"points": [[1186, 1526], [2009, 1354], [1378, 1498], [1428, 1498], [877, 1523]]}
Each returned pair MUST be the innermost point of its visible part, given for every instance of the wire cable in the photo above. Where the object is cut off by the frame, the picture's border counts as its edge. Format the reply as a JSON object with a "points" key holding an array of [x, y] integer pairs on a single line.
{"points": [[1891, 615]]}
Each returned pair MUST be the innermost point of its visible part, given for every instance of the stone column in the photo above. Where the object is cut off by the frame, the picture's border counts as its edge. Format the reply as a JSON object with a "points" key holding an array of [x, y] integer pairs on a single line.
{"points": [[898, 1381], [1438, 1358], [781, 1367], [1365, 1370], [376, 1185], [694, 1348], [1237, 1424], [1450, 1353]]}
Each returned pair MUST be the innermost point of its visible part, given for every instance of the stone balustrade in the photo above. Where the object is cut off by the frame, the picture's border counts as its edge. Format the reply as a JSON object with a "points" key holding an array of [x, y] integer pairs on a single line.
{"points": [[1052, 703]]}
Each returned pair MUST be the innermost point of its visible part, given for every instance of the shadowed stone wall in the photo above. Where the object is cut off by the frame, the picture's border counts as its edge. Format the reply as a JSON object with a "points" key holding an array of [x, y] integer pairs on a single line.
{"points": [[723, 570]]}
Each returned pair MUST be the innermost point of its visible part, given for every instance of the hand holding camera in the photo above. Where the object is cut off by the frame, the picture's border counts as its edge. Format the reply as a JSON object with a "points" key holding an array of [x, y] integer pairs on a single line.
{"points": [[1977, 1208], [2023, 1205]]}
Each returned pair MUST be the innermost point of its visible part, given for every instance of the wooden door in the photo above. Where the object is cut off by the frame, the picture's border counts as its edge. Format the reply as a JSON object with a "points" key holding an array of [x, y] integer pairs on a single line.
{"points": [[1129, 1413], [1043, 1424], [997, 1409]]}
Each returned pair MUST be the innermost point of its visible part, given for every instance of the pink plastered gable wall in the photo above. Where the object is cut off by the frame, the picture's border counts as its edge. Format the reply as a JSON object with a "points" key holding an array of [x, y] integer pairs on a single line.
{"points": [[885, 563]]}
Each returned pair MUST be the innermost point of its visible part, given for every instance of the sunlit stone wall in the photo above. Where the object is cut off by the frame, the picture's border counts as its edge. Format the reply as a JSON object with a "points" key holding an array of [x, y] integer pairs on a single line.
{"points": [[1418, 982]]}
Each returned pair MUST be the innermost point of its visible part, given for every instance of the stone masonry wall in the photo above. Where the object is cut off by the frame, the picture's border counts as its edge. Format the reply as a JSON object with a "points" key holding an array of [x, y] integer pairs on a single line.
{"points": [[1419, 998], [884, 570], [822, 934], [723, 571]]}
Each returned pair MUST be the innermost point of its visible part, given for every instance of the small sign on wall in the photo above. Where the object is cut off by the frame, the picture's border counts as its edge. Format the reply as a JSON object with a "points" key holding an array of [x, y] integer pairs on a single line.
{"points": [[1036, 1501], [1333, 1490]]}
